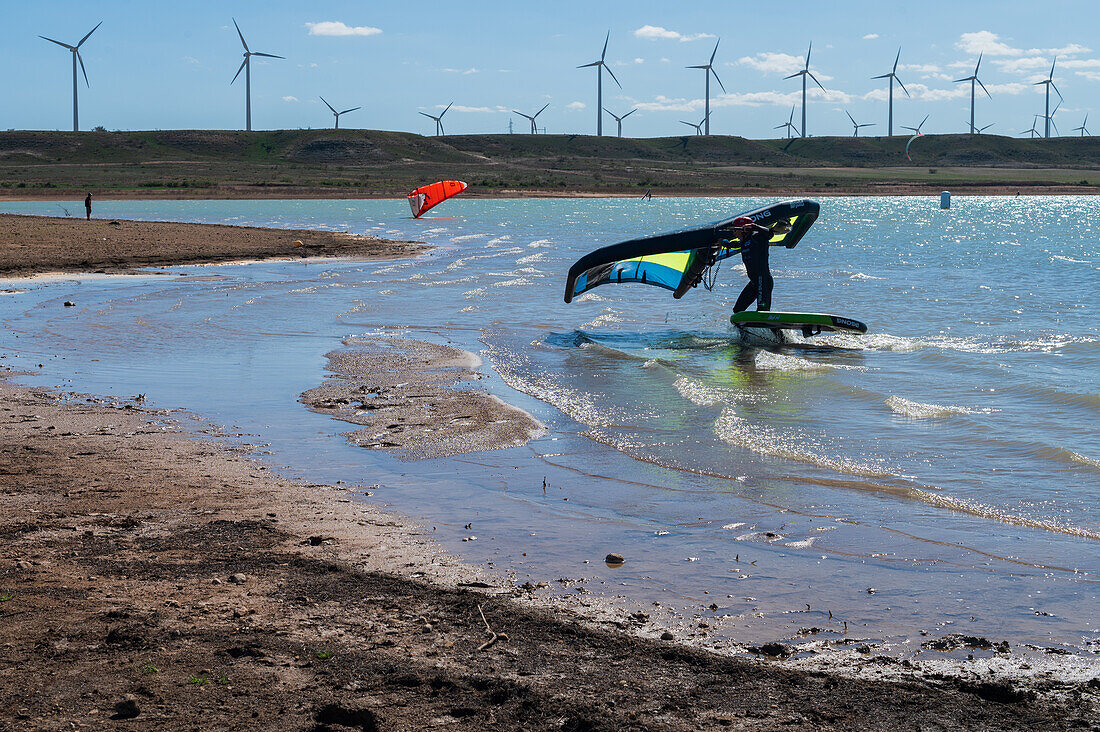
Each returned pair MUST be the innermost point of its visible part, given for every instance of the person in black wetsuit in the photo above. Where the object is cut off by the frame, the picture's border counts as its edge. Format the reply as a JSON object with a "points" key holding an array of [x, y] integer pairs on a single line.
{"points": [[755, 242]]}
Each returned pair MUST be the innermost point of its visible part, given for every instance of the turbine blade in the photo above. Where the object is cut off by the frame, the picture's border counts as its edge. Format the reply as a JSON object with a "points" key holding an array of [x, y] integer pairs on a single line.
{"points": [[714, 52], [957, 81], [808, 50], [243, 64], [810, 73], [81, 60], [924, 120], [983, 88], [896, 59], [903, 87], [605, 40], [101, 23], [850, 116], [779, 127], [63, 45], [350, 110], [427, 115], [979, 64], [712, 71], [240, 34], [635, 110], [445, 110], [541, 110], [585, 66], [612, 75], [1051, 77], [267, 55], [327, 104], [882, 76], [696, 67], [1058, 92], [797, 73]]}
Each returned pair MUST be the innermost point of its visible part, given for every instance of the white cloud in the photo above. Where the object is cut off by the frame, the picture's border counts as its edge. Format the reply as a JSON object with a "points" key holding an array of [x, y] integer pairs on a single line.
{"points": [[665, 60], [1023, 64], [657, 33], [336, 28], [773, 63], [639, 60], [920, 68], [575, 106], [474, 110], [985, 42], [464, 72], [290, 99], [870, 36], [742, 99]]}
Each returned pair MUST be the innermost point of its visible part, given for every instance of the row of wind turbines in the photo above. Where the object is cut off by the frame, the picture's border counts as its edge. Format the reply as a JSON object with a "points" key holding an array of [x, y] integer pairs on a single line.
{"points": [[701, 128]]}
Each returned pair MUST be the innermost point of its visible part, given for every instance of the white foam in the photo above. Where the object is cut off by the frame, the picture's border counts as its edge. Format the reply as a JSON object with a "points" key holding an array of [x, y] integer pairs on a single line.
{"points": [[921, 410], [468, 237], [541, 243], [697, 393]]}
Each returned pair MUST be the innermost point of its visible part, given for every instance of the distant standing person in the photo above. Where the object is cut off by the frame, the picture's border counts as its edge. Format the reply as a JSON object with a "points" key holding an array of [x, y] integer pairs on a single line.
{"points": [[88, 207]]}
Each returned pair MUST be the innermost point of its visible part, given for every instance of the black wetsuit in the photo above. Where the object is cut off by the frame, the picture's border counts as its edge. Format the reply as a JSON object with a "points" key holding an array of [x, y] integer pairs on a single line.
{"points": [[755, 256]]}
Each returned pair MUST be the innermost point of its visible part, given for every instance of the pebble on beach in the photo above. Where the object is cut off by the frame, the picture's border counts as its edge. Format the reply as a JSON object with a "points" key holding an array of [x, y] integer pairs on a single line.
{"points": [[614, 560]]}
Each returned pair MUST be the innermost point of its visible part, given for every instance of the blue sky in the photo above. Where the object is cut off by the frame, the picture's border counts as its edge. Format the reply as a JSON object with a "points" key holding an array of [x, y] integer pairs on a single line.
{"points": [[158, 65]]}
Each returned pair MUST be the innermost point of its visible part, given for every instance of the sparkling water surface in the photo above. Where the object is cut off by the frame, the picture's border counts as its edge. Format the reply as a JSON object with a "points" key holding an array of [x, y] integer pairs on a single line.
{"points": [[939, 474]]}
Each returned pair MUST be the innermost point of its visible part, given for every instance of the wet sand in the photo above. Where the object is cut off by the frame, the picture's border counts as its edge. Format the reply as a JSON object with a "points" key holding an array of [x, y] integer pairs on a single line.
{"points": [[36, 244], [401, 391], [148, 570], [145, 571]]}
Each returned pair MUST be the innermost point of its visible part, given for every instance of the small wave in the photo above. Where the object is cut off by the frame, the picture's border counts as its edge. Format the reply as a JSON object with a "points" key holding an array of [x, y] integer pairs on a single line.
{"points": [[1061, 258], [920, 410], [536, 257], [541, 243], [767, 537], [502, 239], [697, 393], [734, 525], [435, 231], [769, 361], [801, 543], [604, 319], [468, 237]]}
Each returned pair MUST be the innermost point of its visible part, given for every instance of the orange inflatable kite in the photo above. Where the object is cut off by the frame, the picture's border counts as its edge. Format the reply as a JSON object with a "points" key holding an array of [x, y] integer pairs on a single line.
{"points": [[426, 197]]}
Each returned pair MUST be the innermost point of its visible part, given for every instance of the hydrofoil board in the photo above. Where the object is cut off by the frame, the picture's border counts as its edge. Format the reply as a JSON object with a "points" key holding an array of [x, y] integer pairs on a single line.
{"points": [[808, 323]]}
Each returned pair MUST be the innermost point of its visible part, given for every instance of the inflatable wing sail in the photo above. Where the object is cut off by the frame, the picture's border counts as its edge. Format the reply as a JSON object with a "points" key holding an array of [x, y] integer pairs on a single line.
{"points": [[427, 197], [677, 260]]}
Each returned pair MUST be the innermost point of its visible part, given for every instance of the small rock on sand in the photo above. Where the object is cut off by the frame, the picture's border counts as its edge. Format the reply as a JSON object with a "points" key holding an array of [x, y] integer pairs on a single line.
{"points": [[239, 578], [614, 560], [667, 636], [127, 708], [70, 304]]}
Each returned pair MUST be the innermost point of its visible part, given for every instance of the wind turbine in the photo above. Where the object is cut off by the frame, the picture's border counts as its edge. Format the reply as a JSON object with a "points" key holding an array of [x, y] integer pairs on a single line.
{"points": [[893, 76], [708, 69], [1082, 129], [973, 79], [1050, 119], [600, 66], [856, 125], [438, 121], [698, 127], [916, 130], [531, 118], [246, 67], [337, 114], [1049, 82], [76, 57], [788, 125], [1034, 132], [619, 120], [980, 130], [804, 73]]}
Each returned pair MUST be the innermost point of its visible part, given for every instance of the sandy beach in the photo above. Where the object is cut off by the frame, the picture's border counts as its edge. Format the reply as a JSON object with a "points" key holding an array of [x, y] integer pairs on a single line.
{"points": [[154, 574]]}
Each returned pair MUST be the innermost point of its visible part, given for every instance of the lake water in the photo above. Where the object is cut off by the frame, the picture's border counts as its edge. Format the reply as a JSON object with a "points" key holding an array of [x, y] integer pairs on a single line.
{"points": [[940, 474]]}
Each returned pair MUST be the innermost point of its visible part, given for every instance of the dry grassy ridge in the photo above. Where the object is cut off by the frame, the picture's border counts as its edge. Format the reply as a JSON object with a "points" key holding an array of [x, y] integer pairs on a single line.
{"points": [[150, 580], [356, 163]]}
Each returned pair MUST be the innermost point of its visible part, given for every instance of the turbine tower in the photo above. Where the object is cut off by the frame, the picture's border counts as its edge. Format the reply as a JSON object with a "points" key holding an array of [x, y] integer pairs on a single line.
{"points": [[788, 125], [76, 57], [804, 73], [438, 121], [246, 67], [1082, 129], [531, 118], [973, 79], [1050, 119], [600, 66], [708, 69], [1049, 82], [337, 114], [916, 130], [619, 120], [893, 76], [857, 125]]}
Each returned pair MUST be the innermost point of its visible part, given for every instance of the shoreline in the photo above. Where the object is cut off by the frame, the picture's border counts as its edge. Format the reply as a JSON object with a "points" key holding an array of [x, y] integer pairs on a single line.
{"points": [[31, 245], [265, 194], [184, 582], [128, 533]]}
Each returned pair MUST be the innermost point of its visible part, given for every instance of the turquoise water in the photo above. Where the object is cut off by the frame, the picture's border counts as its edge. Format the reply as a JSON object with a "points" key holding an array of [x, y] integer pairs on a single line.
{"points": [[949, 459]]}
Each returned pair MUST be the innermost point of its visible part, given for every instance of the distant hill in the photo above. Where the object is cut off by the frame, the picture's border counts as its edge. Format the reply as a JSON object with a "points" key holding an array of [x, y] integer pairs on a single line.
{"points": [[367, 162]]}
